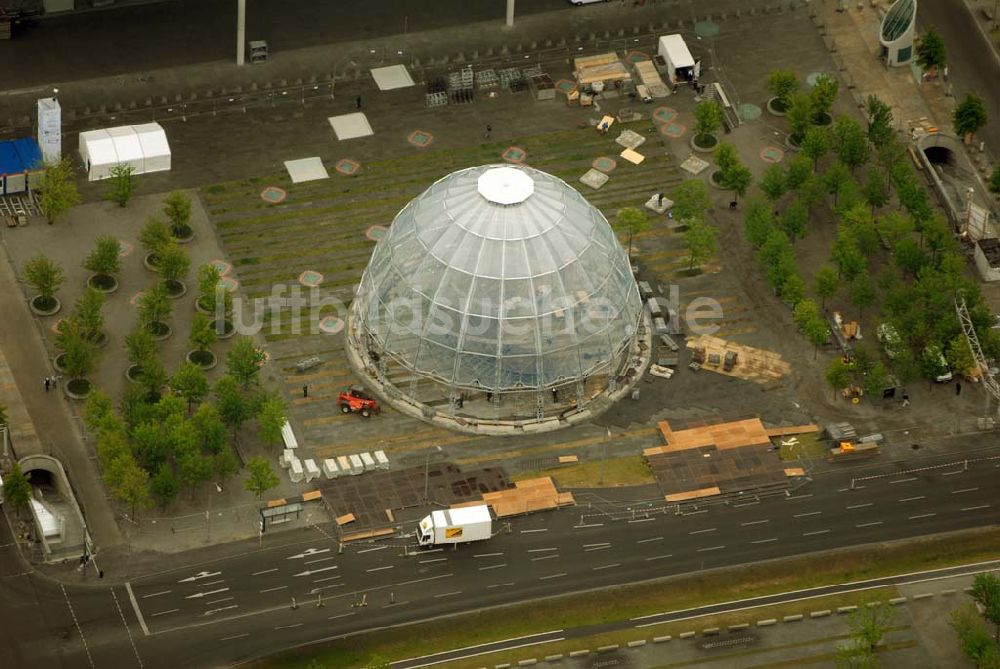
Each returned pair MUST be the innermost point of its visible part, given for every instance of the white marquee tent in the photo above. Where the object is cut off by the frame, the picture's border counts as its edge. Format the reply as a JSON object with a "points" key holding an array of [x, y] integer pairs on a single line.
{"points": [[143, 147]]}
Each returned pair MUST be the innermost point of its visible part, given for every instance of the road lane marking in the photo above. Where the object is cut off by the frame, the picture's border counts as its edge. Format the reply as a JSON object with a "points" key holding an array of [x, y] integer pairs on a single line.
{"points": [[325, 587], [764, 541], [493, 566], [212, 612], [807, 514], [199, 595], [958, 492], [906, 480], [580, 527], [922, 515], [287, 627], [235, 636], [127, 629], [342, 615], [266, 571], [157, 594], [710, 548], [328, 578], [433, 560], [607, 566], [877, 522], [544, 557], [651, 539], [911, 499], [423, 580], [534, 550], [307, 552], [711, 529], [280, 587], [368, 571], [448, 594], [488, 555], [541, 529], [754, 522], [163, 613], [694, 513], [545, 578], [499, 585], [221, 580], [597, 548], [659, 557], [217, 601], [737, 506], [809, 534], [310, 572], [332, 557], [135, 607], [389, 606], [976, 508], [806, 496], [199, 575], [960, 471], [642, 520], [860, 506], [369, 550]]}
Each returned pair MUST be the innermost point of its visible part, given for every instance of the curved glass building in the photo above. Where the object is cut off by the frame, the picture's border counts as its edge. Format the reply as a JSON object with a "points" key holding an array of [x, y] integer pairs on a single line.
{"points": [[897, 31], [499, 295]]}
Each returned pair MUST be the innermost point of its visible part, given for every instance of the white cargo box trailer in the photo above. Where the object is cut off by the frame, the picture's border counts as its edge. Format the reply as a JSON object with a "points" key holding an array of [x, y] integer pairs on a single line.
{"points": [[680, 64], [368, 461], [357, 465], [456, 526]]}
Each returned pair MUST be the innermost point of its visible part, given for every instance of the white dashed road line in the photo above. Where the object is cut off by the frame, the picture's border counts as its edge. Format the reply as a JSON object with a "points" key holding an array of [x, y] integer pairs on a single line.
{"points": [[754, 522], [651, 539], [860, 506], [872, 524]]}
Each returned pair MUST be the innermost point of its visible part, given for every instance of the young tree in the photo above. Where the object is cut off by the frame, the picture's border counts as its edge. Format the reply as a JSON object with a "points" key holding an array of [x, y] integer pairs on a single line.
{"points": [[862, 292], [759, 222], [838, 375], [707, 119], [834, 179], [850, 142], [79, 351], [774, 182], [815, 144], [777, 258], [846, 256], [969, 116], [631, 219], [737, 178], [261, 477], [822, 96], [87, 313], [869, 623], [121, 185], [876, 190], [271, 419], [800, 116], [244, 360], [986, 592], [234, 409], [165, 485], [17, 488], [975, 639], [139, 346], [875, 380], [190, 383], [931, 52], [132, 484], [211, 428], [826, 283], [794, 220], [807, 317], [208, 286], [700, 241], [781, 84], [152, 377], [154, 307], [800, 168], [105, 261], [793, 289], [691, 200], [879, 121], [172, 264], [96, 410], [45, 277], [959, 355], [58, 187], [154, 236], [177, 208], [203, 335], [895, 227], [726, 157]]}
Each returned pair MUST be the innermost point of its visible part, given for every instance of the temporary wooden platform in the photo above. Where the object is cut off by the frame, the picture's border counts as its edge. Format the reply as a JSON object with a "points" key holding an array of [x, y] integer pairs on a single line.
{"points": [[608, 72], [568, 459], [747, 432], [790, 430], [794, 471], [370, 534], [346, 518], [693, 494], [755, 364], [527, 496], [594, 61]]}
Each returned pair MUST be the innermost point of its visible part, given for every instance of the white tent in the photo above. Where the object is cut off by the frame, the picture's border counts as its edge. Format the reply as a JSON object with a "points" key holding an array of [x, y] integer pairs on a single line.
{"points": [[674, 51], [143, 147]]}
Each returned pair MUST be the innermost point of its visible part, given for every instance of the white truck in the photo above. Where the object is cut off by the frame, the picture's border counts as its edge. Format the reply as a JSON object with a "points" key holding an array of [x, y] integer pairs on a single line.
{"points": [[456, 526], [681, 67]]}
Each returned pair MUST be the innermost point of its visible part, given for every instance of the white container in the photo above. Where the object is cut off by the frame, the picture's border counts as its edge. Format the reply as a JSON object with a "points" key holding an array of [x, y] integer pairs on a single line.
{"points": [[295, 472], [345, 464], [286, 458], [288, 436], [330, 468], [312, 471], [456, 526], [357, 464], [368, 461], [381, 461]]}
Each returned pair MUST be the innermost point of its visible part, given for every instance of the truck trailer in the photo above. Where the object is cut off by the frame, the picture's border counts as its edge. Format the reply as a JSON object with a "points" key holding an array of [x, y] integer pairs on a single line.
{"points": [[456, 526], [681, 67]]}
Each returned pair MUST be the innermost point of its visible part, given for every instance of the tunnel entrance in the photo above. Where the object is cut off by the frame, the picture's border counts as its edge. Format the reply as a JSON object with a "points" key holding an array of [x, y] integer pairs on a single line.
{"points": [[940, 155]]}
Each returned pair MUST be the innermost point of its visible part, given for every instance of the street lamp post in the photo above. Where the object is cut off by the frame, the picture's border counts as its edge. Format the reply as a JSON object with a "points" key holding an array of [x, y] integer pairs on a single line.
{"points": [[241, 31]]}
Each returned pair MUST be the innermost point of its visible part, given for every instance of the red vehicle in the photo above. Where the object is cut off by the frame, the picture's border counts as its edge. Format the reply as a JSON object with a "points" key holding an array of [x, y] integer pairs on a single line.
{"points": [[356, 400]]}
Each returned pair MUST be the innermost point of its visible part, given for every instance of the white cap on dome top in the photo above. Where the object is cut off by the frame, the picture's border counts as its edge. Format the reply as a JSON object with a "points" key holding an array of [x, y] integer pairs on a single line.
{"points": [[505, 185]]}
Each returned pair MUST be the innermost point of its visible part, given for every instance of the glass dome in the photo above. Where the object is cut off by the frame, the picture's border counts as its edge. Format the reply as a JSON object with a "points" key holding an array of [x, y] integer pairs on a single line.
{"points": [[499, 292]]}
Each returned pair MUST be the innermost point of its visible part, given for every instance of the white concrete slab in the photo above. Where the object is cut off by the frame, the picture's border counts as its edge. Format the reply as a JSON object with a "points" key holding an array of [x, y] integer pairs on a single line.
{"points": [[694, 165], [306, 169], [391, 77], [594, 178], [351, 126]]}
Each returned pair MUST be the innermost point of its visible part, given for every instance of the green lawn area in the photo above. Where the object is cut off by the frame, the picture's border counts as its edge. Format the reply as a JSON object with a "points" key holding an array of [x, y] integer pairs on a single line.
{"points": [[625, 602], [627, 471], [808, 447]]}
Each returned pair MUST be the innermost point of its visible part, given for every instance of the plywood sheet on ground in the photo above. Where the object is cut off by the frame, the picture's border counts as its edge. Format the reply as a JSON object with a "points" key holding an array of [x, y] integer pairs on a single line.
{"points": [[795, 471], [609, 72], [526, 497], [595, 60], [754, 364], [567, 459], [345, 519], [734, 434], [633, 157], [368, 534], [694, 494], [790, 430]]}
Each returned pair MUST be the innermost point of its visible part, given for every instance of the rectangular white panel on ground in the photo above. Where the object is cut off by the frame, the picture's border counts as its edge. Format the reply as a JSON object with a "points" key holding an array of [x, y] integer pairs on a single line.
{"points": [[394, 76], [306, 169], [351, 126]]}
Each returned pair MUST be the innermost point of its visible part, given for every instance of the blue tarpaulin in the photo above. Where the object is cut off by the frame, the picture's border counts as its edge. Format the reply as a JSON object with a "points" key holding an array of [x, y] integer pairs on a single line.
{"points": [[17, 158]]}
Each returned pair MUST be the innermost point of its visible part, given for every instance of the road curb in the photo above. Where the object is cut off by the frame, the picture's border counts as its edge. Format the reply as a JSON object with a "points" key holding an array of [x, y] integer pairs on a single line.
{"points": [[579, 653], [896, 601], [527, 663], [639, 643], [737, 628], [608, 648], [710, 631], [847, 609], [923, 595], [819, 614], [661, 639], [554, 658], [793, 618], [685, 635], [767, 622]]}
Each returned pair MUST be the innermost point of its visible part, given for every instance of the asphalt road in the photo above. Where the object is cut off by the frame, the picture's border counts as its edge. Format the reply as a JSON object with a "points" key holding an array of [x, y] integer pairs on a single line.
{"points": [[184, 32], [973, 68], [241, 607]]}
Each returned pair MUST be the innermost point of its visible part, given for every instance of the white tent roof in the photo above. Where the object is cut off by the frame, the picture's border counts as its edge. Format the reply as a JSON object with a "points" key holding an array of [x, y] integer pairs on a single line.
{"points": [[676, 48], [153, 139], [143, 147]]}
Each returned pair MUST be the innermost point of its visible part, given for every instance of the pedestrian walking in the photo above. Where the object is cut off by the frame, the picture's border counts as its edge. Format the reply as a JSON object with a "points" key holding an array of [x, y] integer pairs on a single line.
{"points": [[48, 382], [958, 388], [659, 199], [906, 399], [55, 382], [305, 391], [359, 102], [489, 131]]}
